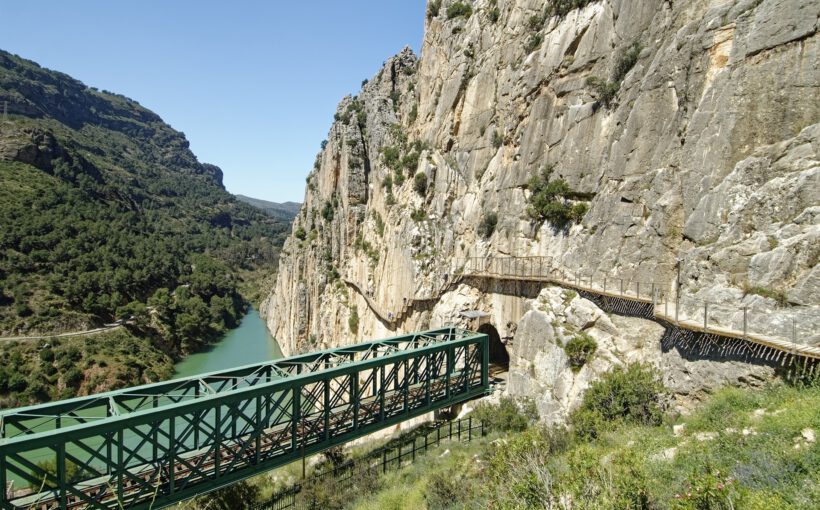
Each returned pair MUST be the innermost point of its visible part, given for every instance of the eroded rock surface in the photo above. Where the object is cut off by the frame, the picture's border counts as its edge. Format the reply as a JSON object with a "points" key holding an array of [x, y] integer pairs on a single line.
{"points": [[540, 368], [707, 154]]}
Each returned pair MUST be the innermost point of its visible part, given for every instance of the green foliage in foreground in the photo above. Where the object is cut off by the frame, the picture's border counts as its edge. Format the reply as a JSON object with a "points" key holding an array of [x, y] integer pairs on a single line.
{"points": [[507, 415], [631, 466], [625, 395], [755, 457]]}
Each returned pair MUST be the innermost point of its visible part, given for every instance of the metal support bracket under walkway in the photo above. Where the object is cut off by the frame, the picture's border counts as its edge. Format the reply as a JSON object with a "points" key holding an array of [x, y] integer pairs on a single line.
{"points": [[154, 445], [680, 311]]}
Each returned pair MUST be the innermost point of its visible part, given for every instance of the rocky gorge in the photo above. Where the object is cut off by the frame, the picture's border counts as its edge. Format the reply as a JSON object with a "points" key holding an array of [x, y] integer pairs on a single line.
{"points": [[687, 134]]}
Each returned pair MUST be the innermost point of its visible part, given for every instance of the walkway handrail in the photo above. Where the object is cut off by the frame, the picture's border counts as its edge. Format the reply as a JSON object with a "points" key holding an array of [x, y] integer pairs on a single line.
{"points": [[684, 311], [408, 304]]}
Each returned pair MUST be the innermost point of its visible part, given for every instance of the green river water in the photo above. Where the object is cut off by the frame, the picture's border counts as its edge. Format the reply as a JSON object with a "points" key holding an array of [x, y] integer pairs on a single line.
{"points": [[247, 344]]}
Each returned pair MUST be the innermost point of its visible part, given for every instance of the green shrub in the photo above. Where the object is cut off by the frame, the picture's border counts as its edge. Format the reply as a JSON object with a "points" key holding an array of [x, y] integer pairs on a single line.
{"points": [[398, 177], [300, 234], [494, 14], [605, 91], [414, 113], [73, 378], [550, 201], [507, 415], [410, 162], [387, 183], [624, 395], [17, 383], [418, 215], [578, 212], [579, 350], [459, 9], [433, 8], [391, 156], [443, 490], [327, 211], [238, 495], [47, 355], [420, 183], [488, 224], [626, 61], [353, 320], [379, 222], [498, 139], [533, 43]]}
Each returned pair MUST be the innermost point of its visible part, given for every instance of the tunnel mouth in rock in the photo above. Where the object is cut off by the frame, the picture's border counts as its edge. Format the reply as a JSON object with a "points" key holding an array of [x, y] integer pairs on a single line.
{"points": [[499, 357]]}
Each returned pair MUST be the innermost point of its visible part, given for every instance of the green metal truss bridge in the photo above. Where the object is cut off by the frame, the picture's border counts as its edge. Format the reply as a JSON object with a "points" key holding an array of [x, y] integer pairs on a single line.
{"points": [[154, 445]]}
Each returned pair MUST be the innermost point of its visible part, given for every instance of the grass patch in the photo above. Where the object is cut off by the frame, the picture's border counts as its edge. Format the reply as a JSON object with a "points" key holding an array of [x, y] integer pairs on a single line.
{"points": [[778, 295], [624, 467]]}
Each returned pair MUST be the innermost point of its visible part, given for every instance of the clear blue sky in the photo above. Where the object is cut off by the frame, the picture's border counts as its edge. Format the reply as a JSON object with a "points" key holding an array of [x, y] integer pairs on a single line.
{"points": [[252, 84]]}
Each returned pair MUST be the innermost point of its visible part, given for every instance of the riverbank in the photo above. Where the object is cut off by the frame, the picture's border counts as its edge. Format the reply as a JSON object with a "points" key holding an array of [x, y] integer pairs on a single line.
{"points": [[248, 343]]}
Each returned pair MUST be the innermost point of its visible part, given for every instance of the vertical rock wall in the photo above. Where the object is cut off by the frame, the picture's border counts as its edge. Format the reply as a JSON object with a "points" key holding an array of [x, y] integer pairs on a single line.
{"points": [[706, 156]]}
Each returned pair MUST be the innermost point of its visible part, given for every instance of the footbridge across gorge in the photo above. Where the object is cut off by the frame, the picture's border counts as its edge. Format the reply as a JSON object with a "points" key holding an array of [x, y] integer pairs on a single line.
{"points": [[152, 446]]}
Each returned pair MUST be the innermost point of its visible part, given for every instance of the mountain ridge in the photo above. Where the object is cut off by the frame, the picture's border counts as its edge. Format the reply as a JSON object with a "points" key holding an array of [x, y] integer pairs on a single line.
{"points": [[282, 210], [106, 214]]}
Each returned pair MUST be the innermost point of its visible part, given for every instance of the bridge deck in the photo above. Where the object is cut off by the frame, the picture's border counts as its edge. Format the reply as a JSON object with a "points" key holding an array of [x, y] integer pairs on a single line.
{"points": [[154, 445]]}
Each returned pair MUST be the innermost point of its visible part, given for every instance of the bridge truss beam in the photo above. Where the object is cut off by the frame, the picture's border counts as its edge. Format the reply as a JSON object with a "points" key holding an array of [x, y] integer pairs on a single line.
{"points": [[154, 445]]}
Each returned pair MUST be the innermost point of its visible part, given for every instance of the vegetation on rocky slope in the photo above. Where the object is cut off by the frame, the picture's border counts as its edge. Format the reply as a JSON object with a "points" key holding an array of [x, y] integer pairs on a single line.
{"points": [[106, 214], [743, 448], [551, 200], [751, 449], [57, 368]]}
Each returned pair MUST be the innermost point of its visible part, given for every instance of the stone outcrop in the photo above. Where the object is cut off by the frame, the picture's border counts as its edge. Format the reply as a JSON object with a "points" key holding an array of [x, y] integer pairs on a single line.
{"points": [[706, 159], [540, 368]]}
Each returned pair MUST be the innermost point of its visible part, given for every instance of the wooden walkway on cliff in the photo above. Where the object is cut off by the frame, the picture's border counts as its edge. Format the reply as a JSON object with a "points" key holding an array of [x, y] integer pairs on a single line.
{"points": [[625, 294], [662, 306]]}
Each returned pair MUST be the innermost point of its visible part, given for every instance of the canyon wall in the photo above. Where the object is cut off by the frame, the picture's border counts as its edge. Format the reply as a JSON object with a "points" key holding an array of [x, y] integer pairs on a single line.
{"points": [[690, 131]]}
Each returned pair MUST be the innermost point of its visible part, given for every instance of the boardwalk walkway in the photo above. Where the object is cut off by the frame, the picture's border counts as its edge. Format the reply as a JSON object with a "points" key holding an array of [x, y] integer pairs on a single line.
{"points": [[393, 319], [684, 312], [664, 306]]}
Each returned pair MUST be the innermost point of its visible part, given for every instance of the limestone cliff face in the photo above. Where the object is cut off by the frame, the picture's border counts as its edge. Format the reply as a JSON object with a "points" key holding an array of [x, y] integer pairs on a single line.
{"points": [[706, 155]]}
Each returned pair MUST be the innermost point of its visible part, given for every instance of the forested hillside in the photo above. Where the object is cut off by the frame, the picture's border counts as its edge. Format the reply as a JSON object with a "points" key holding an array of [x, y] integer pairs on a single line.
{"points": [[105, 214]]}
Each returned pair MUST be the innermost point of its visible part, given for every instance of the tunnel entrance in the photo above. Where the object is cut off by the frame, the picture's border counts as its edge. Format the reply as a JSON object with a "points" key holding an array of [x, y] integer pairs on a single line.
{"points": [[499, 357]]}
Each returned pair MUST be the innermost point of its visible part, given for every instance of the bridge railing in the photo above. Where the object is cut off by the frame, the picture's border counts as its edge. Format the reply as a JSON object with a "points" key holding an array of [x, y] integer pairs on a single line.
{"points": [[174, 446], [785, 329]]}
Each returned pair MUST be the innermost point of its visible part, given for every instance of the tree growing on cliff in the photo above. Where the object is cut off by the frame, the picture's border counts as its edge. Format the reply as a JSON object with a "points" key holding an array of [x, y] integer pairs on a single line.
{"points": [[420, 183], [550, 201]]}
